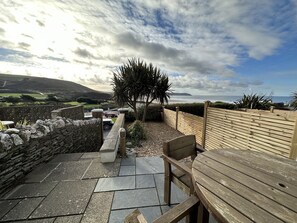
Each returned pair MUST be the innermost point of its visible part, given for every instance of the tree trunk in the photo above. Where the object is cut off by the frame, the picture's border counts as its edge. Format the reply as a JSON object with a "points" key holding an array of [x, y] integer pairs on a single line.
{"points": [[136, 113], [145, 109], [144, 113]]}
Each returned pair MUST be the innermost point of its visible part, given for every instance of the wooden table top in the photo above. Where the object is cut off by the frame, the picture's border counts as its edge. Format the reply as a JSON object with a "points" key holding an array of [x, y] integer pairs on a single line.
{"points": [[246, 186]]}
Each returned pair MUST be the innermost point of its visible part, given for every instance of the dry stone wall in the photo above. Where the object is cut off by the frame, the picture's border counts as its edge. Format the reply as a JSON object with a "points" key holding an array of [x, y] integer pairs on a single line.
{"points": [[25, 147], [31, 113]]}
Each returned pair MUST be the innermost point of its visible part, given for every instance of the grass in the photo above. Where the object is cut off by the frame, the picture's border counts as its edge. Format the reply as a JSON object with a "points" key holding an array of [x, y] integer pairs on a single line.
{"points": [[73, 103], [35, 95]]}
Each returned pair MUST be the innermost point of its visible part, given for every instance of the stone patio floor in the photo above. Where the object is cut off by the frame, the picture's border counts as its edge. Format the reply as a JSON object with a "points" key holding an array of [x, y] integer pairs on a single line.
{"points": [[77, 187]]}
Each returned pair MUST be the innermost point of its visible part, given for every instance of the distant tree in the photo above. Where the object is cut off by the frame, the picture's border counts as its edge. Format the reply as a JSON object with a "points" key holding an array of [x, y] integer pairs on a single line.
{"points": [[28, 98], [294, 101], [12, 99], [87, 100], [52, 97], [135, 81], [254, 101]]}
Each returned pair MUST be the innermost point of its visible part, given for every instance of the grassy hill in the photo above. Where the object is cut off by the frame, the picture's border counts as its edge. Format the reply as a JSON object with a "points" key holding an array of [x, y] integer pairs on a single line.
{"points": [[28, 84]]}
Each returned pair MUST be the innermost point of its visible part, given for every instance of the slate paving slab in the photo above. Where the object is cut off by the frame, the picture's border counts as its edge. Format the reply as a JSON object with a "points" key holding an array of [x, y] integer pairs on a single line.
{"points": [[90, 155], [145, 181], [135, 198], [98, 169], [23, 209], [149, 165], [98, 209], [67, 198], [69, 219], [66, 157], [115, 183], [45, 220], [150, 214], [128, 161], [127, 170], [40, 172], [72, 170], [177, 195], [6, 206], [32, 190]]}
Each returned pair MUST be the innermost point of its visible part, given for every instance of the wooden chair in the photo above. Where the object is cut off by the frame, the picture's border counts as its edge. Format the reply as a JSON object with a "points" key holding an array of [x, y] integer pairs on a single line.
{"points": [[174, 150], [187, 208]]}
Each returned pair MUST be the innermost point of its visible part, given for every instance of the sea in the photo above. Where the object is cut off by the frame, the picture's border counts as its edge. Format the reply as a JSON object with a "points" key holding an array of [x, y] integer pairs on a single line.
{"points": [[214, 98]]}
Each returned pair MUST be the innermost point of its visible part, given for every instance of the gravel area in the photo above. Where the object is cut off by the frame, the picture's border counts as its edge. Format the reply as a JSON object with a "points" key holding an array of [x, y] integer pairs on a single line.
{"points": [[157, 133]]}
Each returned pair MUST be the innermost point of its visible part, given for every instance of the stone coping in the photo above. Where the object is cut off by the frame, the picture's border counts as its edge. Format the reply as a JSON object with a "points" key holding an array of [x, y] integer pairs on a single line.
{"points": [[111, 143]]}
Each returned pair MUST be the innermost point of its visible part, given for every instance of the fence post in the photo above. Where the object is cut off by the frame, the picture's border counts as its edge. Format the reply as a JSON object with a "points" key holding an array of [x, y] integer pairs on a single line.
{"points": [[271, 109], [206, 105], [293, 151], [122, 133], [176, 119], [98, 113]]}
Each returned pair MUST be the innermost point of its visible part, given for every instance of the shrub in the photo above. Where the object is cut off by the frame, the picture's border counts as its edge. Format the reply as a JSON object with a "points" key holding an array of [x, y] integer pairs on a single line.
{"points": [[294, 101], [87, 100], [153, 114], [12, 99], [254, 101], [28, 98], [192, 108], [136, 132], [225, 105], [198, 108]]}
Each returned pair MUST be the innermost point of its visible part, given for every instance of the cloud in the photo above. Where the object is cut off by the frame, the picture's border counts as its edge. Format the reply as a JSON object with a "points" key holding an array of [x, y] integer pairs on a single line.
{"points": [[24, 45], [39, 22], [202, 41], [207, 84]]}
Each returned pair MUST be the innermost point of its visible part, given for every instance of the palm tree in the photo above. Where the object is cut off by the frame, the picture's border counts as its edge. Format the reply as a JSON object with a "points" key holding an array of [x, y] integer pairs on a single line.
{"points": [[136, 81], [254, 101], [294, 101]]}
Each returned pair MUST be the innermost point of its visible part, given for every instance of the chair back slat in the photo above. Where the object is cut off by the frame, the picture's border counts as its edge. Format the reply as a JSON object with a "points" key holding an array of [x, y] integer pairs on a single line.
{"points": [[180, 147]]}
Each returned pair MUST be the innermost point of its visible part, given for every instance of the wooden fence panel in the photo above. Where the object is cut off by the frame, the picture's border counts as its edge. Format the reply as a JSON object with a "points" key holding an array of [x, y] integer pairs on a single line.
{"points": [[169, 117], [263, 132], [187, 124], [190, 124]]}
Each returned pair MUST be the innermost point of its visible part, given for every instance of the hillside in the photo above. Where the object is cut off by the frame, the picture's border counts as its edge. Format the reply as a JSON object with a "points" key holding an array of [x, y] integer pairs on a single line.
{"points": [[28, 84]]}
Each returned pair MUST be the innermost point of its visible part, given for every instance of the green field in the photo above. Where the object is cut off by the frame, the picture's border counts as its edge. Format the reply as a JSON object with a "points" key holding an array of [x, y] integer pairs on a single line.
{"points": [[35, 95]]}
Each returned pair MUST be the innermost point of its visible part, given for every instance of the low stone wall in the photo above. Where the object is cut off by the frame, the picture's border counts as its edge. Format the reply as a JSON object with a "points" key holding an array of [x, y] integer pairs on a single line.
{"points": [[31, 113], [74, 112], [24, 148], [110, 146]]}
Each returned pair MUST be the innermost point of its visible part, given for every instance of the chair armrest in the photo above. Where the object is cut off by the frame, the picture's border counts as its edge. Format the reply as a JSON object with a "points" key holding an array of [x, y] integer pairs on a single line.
{"points": [[199, 148], [177, 164], [179, 212]]}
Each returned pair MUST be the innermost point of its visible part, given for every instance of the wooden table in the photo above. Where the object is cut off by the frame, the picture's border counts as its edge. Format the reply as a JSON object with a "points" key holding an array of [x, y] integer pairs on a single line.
{"points": [[246, 186]]}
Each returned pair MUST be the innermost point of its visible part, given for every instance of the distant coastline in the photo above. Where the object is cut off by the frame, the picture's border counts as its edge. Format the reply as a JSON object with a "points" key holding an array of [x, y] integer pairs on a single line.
{"points": [[180, 94], [214, 98]]}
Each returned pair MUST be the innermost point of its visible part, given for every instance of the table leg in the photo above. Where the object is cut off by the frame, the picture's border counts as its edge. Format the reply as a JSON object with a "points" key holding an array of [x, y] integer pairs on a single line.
{"points": [[203, 215]]}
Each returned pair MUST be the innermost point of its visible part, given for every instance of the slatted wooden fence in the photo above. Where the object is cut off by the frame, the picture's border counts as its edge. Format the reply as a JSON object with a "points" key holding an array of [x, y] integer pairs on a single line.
{"points": [[265, 132], [186, 123]]}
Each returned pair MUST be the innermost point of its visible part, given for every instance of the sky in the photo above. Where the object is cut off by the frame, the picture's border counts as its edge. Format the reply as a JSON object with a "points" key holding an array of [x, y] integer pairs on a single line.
{"points": [[207, 47]]}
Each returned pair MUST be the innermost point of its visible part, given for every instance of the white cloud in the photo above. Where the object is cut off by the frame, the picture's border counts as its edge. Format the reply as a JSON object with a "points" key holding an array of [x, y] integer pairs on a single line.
{"points": [[85, 41]]}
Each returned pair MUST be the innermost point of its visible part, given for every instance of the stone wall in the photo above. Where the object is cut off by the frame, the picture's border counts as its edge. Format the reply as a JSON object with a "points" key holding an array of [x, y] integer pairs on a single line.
{"points": [[31, 113], [74, 112], [25, 147]]}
